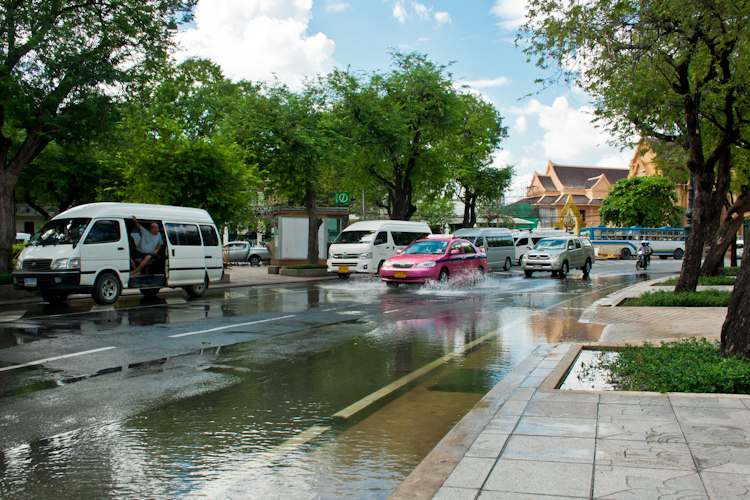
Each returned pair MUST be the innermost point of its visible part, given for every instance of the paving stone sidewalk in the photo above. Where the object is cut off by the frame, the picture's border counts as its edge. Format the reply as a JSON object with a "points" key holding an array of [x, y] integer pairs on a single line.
{"points": [[527, 440]]}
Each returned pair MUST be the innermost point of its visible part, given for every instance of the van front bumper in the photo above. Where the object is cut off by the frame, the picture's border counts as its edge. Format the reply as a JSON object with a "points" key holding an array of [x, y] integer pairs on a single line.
{"points": [[351, 266], [58, 281]]}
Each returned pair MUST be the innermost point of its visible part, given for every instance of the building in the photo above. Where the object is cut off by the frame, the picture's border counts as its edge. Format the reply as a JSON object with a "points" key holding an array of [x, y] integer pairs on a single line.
{"points": [[548, 193]]}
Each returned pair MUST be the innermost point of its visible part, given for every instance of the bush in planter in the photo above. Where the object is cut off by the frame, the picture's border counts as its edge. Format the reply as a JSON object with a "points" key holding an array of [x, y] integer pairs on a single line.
{"points": [[663, 298]]}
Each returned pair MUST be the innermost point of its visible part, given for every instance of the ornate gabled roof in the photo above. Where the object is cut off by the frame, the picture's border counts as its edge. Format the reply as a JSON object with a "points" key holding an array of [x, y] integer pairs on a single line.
{"points": [[573, 177]]}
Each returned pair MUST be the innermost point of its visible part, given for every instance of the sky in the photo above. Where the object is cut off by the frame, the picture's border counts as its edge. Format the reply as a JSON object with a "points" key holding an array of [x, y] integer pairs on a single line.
{"points": [[260, 40]]}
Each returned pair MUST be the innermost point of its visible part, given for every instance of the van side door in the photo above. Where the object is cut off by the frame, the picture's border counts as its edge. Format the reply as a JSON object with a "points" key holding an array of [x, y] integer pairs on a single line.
{"points": [[185, 254], [213, 253], [382, 248], [105, 246]]}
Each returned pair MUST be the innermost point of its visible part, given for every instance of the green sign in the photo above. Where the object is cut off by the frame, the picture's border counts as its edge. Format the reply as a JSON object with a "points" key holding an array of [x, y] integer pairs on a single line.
{"points": [[342, 198]]}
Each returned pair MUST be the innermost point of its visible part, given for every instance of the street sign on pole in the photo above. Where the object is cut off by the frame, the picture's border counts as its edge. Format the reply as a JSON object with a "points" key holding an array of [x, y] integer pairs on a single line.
{"points": [[342, 198]]}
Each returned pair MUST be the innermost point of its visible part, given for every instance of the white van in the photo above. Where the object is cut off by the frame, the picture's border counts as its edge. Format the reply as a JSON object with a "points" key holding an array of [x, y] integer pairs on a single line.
{"points": [[88, 248], [364, 246], [496, 242], [525, 240]]}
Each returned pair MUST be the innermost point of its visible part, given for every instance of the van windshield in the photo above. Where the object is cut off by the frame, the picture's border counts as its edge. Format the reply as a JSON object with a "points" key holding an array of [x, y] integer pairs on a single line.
{"points": [[426, 247], [354, 237], [550, 244], [60, 231]]}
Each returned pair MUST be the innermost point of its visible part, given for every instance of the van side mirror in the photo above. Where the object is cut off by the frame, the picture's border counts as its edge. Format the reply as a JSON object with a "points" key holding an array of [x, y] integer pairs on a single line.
{"points": [[378, 242]]}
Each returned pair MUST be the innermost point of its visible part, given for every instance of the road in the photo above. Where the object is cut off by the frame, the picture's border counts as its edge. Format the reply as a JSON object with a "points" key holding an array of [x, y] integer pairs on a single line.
{"points": [[313, 390]]}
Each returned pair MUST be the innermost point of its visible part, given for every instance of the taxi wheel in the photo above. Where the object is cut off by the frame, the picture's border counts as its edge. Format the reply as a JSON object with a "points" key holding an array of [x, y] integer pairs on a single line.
{"points": [[343, 276], [392, 284], [444, 275]]}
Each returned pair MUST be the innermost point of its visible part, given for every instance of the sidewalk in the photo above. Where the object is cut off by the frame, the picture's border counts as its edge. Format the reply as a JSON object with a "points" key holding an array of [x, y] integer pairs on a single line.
{"points": [[527, 440], [234, 276]]}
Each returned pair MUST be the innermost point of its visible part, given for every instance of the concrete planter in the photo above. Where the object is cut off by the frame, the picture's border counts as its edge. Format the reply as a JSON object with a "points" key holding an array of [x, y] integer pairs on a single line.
{"points": [[273, 269], [304, 272]]}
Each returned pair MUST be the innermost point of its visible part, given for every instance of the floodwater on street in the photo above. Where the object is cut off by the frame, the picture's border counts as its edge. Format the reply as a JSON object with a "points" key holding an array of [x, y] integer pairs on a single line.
{"points": [[341, 393]]}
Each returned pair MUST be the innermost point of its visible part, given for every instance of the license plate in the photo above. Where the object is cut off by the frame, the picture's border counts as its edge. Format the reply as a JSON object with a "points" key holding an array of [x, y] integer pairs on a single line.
{"points": [[343, 269], [29, 282], [399, 274], [537, 268]]}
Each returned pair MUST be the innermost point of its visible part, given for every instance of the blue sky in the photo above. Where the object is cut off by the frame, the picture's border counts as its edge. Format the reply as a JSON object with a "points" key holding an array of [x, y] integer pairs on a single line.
{"points": [[292, 39]]}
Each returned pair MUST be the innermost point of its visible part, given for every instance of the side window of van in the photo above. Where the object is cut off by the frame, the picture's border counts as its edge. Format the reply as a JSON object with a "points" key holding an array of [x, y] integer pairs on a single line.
{"points": [[480, 242], [104, 231], [403, 238], [210, 239], [383, 237], [506, 241], [183, 234], [522, 242]]}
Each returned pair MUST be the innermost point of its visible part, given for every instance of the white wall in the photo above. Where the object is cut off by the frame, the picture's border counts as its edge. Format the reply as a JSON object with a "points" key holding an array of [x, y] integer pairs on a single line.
{"points": [[293, 238]]}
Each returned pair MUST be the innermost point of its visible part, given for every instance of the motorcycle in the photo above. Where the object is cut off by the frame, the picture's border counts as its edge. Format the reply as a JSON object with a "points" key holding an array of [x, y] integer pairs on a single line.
{"points": [[642, 262]]}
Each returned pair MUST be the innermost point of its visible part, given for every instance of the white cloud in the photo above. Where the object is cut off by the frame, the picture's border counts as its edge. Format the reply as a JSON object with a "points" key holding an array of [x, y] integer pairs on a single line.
{"points": [[442, 18], [483, 84], [399, 12], [520, 124], [423, 13], [255, 39], [334, 6], [512, 13]]}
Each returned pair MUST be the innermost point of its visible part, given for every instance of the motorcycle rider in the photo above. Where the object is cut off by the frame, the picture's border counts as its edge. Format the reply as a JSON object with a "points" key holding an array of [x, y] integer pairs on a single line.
{"points": [[645, 251]]}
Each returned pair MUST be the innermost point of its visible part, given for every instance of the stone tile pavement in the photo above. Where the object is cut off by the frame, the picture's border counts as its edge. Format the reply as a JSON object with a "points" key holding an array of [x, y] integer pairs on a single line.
{"points": [[527, 440]]}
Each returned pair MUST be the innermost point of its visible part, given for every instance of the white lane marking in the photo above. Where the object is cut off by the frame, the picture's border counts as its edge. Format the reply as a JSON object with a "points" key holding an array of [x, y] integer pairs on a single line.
{"points": [[233, 325], [96, 308], [55, 358], [175, 300], [11, 316]]}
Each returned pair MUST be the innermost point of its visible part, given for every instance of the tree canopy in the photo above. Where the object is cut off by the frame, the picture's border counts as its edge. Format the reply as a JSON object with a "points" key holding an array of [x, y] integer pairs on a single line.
{"points": [[641, 201]]}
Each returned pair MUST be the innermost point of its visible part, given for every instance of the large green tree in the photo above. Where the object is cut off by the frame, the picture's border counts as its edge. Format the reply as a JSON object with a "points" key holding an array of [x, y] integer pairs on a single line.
{"points": [[641, 201], [401, 122], [665, 69], [61, 62]]}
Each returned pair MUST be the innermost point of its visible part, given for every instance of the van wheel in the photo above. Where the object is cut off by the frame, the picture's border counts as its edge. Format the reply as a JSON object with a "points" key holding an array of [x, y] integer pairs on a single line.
{"points": [[444, 275], [149, 292], [507, 265], [586, 268], [563, 269], [380, 264], [107, 289], [197, 290], [54, 298], [528, 273]]}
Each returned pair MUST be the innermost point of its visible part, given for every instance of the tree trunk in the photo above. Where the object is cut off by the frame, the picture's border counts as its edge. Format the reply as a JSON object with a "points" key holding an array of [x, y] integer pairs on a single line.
{"points": [[735, 340], [403, 208], [702, 214], [313, 224], [726, 234], [7, 231]]}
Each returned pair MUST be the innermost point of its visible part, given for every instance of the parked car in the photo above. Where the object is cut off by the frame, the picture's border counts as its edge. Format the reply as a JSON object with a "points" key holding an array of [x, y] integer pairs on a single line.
{"points": [[244, 252], [740, 248], [558, 255], [438, 257]]}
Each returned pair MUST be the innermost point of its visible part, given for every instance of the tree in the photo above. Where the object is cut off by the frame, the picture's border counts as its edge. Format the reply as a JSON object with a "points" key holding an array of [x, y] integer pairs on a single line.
{"points": [[437, 213], [480, 133], [670, 70], [641, 201], [663, 69], [60, 65], [401, 122]]}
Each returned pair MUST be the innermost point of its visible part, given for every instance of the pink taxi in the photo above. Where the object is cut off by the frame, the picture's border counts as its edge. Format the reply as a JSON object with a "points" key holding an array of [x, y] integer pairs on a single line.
{"points": [[438, 257]]}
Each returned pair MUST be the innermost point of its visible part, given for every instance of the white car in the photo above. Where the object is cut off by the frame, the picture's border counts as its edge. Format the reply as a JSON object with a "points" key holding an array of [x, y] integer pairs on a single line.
{"points": [[740, 248]]}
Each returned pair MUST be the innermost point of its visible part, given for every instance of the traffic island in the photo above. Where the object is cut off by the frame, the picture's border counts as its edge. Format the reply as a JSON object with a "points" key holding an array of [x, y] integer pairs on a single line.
{"points": [[303, 273]]}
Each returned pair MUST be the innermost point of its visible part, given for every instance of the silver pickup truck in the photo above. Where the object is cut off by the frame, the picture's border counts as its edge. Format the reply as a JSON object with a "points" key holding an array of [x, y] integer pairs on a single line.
{"points": [[243, 252], [558, 255]]}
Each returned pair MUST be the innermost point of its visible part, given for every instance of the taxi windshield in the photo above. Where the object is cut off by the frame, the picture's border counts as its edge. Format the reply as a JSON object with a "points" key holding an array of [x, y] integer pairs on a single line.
{"points": [[550, 244], [354, 237], [426, 248], [60, 231]]}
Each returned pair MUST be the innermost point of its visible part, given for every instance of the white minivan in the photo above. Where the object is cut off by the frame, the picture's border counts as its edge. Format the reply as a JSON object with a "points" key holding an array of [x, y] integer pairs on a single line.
{"points": [[364, 246], [88, 248], [525, 240], [496, 242]]}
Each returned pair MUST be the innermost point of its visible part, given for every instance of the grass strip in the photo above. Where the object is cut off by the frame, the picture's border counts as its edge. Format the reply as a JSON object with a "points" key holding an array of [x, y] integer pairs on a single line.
{"points": [[663, 298], [683, 366], [702, 280]]}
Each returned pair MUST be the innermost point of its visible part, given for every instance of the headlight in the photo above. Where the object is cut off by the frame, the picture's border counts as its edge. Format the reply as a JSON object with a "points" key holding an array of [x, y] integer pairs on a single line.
{"points": [[365, 256], [387, 265], [429, 263], [19, 264], [62, 264]]}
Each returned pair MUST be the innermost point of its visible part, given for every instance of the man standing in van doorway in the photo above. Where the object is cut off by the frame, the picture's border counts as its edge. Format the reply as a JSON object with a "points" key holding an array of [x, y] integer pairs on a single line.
{"points": [[149, 246]]}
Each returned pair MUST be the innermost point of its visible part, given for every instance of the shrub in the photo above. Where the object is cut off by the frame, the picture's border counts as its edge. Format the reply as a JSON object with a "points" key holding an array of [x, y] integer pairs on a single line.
{"points": [[5, 278], [731, 271], [17, 249], [703, 280], [663, 298], [684, 366], [306, 266]]}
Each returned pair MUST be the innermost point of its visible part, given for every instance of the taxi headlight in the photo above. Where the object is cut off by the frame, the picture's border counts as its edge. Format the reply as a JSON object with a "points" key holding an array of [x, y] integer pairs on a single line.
{"points": [[365, 256], [387, 265], [429, 263]]}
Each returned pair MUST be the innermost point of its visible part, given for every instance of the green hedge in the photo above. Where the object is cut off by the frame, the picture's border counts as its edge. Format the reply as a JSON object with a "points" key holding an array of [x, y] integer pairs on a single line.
{"points": [[306, 266], [683, 366], [731, 271], [662, 298], [703, 280], [5, 279]]}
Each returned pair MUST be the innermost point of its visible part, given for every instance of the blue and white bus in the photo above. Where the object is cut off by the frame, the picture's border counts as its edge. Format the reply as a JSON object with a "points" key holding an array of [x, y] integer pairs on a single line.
{"points": [[622, 242]]}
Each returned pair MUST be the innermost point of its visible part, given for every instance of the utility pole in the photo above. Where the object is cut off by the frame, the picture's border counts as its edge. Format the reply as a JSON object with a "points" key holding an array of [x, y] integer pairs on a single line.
{"points": [[364, 213]]}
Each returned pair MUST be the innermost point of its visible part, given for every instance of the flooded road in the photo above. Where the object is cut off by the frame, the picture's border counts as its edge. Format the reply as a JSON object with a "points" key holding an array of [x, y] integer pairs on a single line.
{"points": [[316, 390]]}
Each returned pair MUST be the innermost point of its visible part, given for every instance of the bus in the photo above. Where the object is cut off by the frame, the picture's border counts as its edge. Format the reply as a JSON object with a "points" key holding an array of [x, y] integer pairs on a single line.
{"points": [[622, 242]]}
